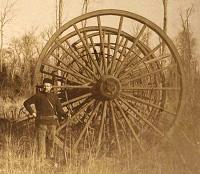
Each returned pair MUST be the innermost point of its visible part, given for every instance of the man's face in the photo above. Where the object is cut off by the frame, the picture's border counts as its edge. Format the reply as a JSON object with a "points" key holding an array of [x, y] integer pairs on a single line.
{"points": [[47, 87]]}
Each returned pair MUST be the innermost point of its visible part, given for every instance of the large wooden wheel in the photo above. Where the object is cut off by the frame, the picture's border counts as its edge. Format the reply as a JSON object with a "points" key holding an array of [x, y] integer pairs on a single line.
{"points": [[111, 73]]}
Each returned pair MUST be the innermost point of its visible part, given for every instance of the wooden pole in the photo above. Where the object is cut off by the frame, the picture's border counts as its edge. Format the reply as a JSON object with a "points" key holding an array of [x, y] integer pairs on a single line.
{"points": [[164, 22]]}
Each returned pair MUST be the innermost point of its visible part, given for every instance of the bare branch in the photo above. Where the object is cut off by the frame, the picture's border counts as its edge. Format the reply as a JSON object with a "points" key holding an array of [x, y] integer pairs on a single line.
{"points": [[7, 12]]}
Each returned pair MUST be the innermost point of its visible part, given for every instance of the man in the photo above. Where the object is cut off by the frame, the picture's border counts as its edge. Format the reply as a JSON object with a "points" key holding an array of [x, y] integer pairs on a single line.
{"points": [[47, 105]]}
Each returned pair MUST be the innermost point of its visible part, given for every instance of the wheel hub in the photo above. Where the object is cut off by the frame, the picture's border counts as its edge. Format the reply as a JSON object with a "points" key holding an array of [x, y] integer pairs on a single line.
{"points": [[109, 87]]}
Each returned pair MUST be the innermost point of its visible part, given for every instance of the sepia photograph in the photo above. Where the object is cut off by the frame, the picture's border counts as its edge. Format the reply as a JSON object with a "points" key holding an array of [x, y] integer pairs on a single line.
{"points": [[99, 87]]}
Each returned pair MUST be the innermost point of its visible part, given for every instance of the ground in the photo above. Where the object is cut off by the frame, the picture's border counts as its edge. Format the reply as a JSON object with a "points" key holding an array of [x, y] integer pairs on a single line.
{"points": [[178, 153]]}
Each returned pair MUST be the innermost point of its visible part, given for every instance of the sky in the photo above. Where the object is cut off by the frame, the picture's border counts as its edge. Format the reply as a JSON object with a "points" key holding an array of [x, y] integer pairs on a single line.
{"points": [[36, 15]]}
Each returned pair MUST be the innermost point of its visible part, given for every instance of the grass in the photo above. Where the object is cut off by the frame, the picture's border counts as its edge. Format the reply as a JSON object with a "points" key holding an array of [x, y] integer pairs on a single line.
{"points": [[178, 154], [9, 108], [19, 157], [15, 160]]}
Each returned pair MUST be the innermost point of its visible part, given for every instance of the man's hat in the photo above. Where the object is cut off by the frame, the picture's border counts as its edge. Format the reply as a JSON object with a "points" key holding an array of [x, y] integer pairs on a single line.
{"points": [[47, 80]]}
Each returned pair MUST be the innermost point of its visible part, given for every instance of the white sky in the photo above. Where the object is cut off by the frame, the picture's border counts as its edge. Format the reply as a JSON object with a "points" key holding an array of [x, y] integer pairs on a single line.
{"points": [[32, 14]]}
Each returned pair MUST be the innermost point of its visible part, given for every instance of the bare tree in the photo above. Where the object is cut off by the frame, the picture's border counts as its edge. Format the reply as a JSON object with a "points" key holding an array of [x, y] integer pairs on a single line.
{"points": [[85, 10], [185, 40], [5, 17], [85, 6], [186, 44], [58, 25], [22, 60], [165, 3], [59, 13], [186, 31], [47, 33]]}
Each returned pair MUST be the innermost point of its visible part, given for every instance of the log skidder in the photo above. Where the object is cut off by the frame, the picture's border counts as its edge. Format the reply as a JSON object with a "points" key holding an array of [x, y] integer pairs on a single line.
{"points": [[122, 90]]}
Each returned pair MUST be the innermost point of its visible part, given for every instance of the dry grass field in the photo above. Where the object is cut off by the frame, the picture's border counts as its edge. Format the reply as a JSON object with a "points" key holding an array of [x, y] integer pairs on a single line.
{"points": [[179, 152]]}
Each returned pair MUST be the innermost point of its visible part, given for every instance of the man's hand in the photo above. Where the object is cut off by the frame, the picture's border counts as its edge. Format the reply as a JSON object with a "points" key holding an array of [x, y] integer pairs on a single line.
{"points": [[67, 114], [33, 114]]}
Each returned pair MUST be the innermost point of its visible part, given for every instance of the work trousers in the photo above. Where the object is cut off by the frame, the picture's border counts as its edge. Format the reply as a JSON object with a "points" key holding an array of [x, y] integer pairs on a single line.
{"points": [[45, 140]]}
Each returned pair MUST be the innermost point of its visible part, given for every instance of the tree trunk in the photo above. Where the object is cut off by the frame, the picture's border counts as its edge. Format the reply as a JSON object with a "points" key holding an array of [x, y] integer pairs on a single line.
{"points": [[164, 22], [60, 13], [85, 10], [1, 49], [59, 24]]}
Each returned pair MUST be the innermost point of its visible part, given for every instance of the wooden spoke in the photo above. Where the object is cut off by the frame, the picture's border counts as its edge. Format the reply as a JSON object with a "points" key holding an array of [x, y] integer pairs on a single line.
{"points": [[77, 53], [73, 86], [82, 109], [142, 117], [151, 88], [131, 97], [131, 49], [61, 144], [102, 124], [73, 49], [89, 62], [76, 56], [121, 41], [156, 59], [143, 66], [108, 50], [132, 62], [152, 51], [102, 44], [142, 63], [73, 73], [129, 125], [147, 74], [142, 59], [77, 60], [122, 54], [97, 55], [69, 80], [63, 77], [77, 99], [115, 126], [86, 125], [95, 52], [77, 80], [59, 60], [119, 51], [113, 63], [133, 120], [121, 123], [83, 76], [87, 49]]}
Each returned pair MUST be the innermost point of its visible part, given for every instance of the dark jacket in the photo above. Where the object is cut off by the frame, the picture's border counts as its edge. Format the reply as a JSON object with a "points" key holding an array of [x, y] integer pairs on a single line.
{"points": [[44, 108]]}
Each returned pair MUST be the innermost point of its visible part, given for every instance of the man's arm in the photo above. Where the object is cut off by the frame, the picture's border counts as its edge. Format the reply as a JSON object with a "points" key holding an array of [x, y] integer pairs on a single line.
{"points": [[28, 103], [59, 109]]}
